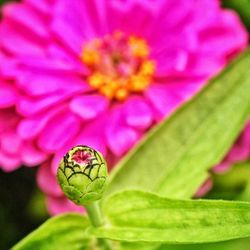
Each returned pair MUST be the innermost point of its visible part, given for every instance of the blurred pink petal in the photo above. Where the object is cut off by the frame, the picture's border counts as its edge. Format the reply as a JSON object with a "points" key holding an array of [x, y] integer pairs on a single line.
{"points": [[26, 17], [165, 103], [140, 117], [8, 96], [31, 155], [30, 127], [61, 129], [120, 137], [88, 106], [9, 162], [10, 142]]}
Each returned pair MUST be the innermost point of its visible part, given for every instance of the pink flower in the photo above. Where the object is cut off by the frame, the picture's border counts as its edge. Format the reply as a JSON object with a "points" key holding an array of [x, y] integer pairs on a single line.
{"points": [[13, 149], [102, 73]]}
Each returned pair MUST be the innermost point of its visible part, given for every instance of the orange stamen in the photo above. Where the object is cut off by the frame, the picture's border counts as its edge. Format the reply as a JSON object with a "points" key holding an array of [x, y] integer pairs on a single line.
{"points": [[117, 72]]}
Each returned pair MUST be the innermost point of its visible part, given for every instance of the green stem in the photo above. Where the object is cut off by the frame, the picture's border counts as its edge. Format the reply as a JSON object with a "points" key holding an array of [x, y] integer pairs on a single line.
{"points": [[96, 218], [94, 213]]}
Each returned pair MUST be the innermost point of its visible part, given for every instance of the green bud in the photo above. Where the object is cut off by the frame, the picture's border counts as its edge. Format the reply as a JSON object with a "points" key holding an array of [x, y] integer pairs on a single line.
{"points": [[82, 175]]}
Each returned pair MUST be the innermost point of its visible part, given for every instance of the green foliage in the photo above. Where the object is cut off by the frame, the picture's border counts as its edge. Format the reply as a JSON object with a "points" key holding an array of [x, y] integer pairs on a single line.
{"points": [[144, 217], [125, 245], [240, 244], [67, 231], [137, 216], [174, 158]]}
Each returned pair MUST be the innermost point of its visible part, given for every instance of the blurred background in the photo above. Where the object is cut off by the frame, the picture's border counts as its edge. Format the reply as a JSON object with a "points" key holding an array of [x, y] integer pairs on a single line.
{"points": [[22, 205]]}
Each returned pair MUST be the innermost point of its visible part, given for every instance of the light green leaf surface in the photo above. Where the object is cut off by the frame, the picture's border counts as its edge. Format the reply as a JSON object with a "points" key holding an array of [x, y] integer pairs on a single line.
{"points": [[145, 217], [125, 245], [62, 232], [174, 158], [239, 244]]}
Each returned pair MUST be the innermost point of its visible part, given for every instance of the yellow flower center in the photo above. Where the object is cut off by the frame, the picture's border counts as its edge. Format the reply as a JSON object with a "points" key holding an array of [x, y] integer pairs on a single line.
{"points": [[119, 65]]}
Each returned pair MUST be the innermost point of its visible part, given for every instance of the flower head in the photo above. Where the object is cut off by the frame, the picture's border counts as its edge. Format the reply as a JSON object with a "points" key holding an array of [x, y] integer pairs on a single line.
{"points": [[82, 175], [102, 73]]}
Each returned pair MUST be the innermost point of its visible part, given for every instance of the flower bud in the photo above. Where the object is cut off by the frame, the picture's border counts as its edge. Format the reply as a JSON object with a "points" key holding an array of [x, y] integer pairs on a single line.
{"points": [[82, 175]]}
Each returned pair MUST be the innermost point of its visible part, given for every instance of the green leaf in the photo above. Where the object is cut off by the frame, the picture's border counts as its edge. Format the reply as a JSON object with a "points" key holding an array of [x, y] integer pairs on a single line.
{"points": [[240, 244], [124, 245], [62, 232], [174, 158], [145, 217]]}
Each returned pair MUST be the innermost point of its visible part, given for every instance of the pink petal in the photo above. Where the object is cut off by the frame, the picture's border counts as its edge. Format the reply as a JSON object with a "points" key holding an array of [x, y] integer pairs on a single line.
{"points": [[59, 131], [51, 64], [30, 127], [19, 42], [59, 52], [204, 65], [42, 6], [169, 61], [166, 98], [48, 83], [172, 15], [8, 95], [163, 101], [24, 16], [220, 38], [73, 23], [173, 19], [8, 119], [8, 67], [9, 162], [44, 102], [89, 106], [72, 40], [69, 26], [95, 17], [93, 135], [31, 155], [238, 153], [47, 181], [137, 113], [10, 142], [121, 16], [120, 138]]}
